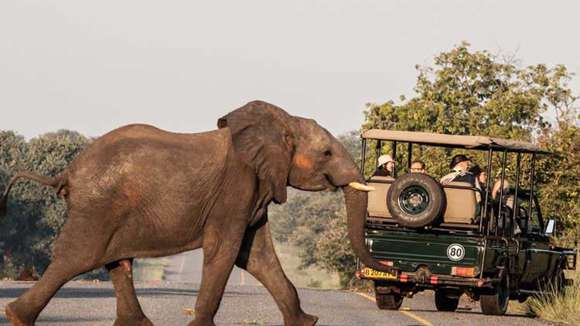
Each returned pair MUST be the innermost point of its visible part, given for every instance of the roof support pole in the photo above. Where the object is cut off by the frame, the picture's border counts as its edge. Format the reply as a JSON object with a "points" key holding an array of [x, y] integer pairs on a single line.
{"points": [[409, 156], [487, 192], [532, 182], [378, 151], [363, 155], [516, 202], [395, 158], [500, 201]]}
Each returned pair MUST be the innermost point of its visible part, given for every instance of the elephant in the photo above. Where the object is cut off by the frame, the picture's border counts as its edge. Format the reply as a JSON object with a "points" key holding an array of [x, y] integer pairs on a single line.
{"points": [[139, 191]]}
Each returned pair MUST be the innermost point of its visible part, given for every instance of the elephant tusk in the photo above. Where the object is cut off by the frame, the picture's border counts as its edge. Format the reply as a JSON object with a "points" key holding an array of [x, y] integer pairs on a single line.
{"points": [[361, 187]]}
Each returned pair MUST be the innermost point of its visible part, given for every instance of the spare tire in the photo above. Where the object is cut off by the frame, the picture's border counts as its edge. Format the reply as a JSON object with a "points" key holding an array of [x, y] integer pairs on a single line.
{"points": [[416, 200]]}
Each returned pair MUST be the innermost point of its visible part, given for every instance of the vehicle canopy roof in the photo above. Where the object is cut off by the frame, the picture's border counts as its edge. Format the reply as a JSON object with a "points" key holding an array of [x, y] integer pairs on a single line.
{"points": [[454, 141]]}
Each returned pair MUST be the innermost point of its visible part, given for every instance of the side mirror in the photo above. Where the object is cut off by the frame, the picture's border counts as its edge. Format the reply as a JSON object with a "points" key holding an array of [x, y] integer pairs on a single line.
{"points": [[550, 228]]}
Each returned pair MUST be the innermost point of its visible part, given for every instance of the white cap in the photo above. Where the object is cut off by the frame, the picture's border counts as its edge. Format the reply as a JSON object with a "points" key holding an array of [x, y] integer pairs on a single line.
{"points": [[384, 159]]}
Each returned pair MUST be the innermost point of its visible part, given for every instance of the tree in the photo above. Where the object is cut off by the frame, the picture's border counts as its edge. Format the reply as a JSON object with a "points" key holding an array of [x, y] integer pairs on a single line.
{"points": [[475, 93], [559, 176], [333, 250], [12, 151], [35, 214]]}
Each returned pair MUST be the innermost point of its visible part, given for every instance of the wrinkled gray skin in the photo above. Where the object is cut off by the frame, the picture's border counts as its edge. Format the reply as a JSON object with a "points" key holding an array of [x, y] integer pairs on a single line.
{"points": [[143, 192]]}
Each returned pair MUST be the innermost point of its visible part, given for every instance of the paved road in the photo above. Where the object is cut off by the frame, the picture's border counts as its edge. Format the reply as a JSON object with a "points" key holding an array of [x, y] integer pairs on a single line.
{"points": [[86, 304]]}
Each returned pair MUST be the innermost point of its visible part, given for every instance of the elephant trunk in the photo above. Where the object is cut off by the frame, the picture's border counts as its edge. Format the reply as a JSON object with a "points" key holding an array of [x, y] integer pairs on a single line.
{"points": [[356, 208]]}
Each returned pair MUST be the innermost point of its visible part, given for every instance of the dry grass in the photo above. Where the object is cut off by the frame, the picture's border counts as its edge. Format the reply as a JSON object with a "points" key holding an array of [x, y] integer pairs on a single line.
{"points": [[558, 306]]}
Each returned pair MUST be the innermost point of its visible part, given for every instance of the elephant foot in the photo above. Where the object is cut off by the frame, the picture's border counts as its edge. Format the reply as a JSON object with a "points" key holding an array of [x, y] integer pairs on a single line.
{"points": [[14, 319], [128, 321], [202, 322], [304, 320]]}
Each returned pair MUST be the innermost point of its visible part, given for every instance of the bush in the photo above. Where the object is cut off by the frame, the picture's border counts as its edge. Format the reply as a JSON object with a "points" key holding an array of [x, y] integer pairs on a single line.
{"points": [[558, 306]]}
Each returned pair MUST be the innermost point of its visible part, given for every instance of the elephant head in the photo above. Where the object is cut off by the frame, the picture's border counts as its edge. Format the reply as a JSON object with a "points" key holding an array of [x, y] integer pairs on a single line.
{"points": [[285, 150]]}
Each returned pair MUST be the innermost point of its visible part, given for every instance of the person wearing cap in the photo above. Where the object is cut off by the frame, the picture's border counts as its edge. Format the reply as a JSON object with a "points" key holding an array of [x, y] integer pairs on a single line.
{"points": [[385, 166], [460, 166]]}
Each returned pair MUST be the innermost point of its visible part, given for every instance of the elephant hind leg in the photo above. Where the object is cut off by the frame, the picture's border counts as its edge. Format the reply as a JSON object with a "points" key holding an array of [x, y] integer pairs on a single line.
{"points": [[129, 312], [76, 251], [258, 257], [24, 310]]}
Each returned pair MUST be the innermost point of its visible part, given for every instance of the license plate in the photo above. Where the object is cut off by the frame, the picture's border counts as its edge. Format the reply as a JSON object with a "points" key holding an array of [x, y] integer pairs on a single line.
{"points": [[371, 273]]}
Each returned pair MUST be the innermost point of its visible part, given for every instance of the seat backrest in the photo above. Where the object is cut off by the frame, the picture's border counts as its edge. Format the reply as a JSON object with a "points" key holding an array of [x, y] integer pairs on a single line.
{"points": [[377, 202], [461, 203]]}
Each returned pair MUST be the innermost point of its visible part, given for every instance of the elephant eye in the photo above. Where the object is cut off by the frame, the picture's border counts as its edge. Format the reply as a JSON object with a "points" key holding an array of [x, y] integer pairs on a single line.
{"points": [[327, 153]]}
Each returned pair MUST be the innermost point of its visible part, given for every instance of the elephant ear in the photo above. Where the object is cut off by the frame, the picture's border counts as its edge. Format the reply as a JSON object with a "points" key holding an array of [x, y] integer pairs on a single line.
{"points": [[262, 138]]}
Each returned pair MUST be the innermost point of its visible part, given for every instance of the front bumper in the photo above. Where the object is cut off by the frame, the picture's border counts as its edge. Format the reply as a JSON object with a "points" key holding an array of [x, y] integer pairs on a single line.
{"points": [[428, 280]]}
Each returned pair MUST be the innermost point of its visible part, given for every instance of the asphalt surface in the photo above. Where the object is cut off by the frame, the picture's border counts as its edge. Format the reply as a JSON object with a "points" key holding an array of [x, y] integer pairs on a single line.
{"points": [[166, 303]]}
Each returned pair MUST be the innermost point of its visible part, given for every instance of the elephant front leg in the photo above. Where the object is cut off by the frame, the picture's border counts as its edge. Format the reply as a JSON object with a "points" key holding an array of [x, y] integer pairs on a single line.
{"points": [[258, 257], [220, 250], [129, 312]]}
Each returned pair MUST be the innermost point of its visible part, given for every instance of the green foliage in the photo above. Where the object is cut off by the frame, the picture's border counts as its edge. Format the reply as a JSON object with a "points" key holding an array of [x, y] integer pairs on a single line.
{"points": [[304, 218], [471, 93], [333, 250], [35, 214], [559, 180]]}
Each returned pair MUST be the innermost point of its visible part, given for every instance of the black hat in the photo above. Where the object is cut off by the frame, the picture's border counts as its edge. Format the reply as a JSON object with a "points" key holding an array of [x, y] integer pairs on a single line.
{"points": [[475, 170], [458, 159]]}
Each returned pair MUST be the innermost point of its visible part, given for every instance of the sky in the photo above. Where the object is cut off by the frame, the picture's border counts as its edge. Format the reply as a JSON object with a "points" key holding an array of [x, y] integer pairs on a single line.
{"points": [[92, 66]]}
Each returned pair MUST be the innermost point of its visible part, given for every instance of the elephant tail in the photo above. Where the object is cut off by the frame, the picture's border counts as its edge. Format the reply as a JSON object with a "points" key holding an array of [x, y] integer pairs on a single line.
{"points": [[56, 182]]}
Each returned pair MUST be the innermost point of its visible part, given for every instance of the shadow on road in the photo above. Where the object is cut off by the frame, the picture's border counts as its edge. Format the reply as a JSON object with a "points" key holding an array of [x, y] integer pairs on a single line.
{"points": [[469, 312], [59, 319], [81, 292]]}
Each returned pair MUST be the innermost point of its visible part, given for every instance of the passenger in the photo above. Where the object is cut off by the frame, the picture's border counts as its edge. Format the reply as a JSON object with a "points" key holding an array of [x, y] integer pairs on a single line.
{"points": [[460, 165], [509, 201], [418, 167], [480, 181], [497, 186], [385, 167], [480, 176]]}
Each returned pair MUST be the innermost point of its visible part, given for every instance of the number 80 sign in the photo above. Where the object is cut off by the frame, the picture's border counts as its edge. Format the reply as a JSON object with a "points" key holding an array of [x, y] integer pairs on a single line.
{"points": [[455, 252]]}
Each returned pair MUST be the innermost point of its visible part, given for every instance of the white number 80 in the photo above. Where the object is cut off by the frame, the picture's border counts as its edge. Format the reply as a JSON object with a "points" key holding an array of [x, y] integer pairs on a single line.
{"points": [[455, 252]]}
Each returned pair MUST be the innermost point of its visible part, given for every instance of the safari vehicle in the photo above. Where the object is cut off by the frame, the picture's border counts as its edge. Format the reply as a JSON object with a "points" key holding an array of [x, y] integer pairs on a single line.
{"points": [[455, 239]]}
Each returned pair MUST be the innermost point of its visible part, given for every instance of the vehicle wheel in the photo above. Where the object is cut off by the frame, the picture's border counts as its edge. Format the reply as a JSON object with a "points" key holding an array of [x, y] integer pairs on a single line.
{"points": [[497, 303], [391, 301], [416, 200], [444, 302]]}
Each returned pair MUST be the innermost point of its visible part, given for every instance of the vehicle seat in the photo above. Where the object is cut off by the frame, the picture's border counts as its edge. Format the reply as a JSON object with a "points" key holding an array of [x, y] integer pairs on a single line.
{"points": [[461, 203], [377, 202]]}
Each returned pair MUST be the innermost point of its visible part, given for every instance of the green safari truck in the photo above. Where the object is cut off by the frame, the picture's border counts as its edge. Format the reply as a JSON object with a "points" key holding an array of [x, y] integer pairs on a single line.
{"points": [[488, 241]]}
